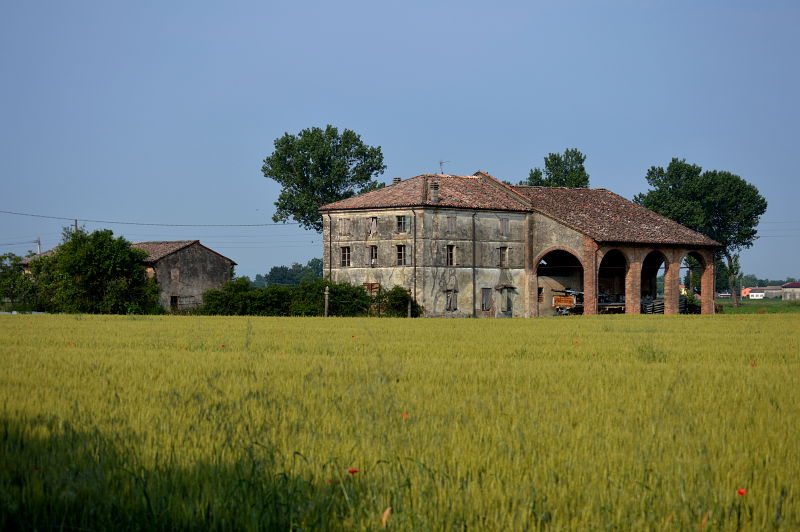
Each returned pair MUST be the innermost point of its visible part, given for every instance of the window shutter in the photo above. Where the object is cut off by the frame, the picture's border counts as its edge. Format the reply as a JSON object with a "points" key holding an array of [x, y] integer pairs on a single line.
{"points": [[408, 223]]}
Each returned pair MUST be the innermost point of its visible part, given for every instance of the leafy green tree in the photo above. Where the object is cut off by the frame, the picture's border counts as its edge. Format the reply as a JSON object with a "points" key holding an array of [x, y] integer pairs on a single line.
{"points": [[294, 274], [94, 273], [565, 170], [320, 166], [394, 303], [308, 299], [16, 286], [718, 204]]}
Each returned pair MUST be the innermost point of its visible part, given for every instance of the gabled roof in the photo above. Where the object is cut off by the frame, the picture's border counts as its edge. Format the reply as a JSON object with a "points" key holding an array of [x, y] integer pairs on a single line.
{"points": [[791, 285], [479, 191], [597, 213], [157, 250], [607, 217]]}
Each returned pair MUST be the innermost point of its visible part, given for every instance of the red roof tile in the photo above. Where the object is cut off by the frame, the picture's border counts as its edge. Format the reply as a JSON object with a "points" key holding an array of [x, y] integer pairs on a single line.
{"points": [[607, 217], [597, 213]]}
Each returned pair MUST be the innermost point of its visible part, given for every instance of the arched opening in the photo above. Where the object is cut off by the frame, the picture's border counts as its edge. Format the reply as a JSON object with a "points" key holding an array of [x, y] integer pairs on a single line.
{"points": [[560, 280], [611, 283], [653, 270], [693, 273]]}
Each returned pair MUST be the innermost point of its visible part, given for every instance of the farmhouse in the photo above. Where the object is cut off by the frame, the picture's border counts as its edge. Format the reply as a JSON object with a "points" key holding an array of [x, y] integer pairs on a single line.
{"points": [[474, 246], [184, 269]]}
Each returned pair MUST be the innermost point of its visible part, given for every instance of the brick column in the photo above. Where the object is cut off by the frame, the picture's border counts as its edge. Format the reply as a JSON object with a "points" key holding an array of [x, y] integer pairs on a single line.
{"points": [[589, 262], [633, 285], [707, 285], [672, 281]]}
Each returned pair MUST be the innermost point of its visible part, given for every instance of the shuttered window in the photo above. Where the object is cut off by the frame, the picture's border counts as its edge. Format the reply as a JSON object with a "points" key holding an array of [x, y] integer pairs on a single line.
{"points": [[451, 300]]}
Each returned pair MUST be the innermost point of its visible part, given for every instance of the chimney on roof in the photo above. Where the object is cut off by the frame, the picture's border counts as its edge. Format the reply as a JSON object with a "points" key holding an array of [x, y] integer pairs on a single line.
{"points": [[435, 192], [396, 180]]}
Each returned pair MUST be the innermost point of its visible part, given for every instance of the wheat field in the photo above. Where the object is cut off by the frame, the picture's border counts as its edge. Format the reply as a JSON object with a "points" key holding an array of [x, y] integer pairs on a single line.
{"points": [[236, 423]]}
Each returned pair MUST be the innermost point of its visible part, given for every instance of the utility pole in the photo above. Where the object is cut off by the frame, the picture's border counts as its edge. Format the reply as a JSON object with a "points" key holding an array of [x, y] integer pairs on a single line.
{"points": [[38, 245], [76, 225]]}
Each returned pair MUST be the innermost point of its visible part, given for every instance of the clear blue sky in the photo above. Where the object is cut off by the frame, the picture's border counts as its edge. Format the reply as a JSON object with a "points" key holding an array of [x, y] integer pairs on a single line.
{"points": [[162, 112]]}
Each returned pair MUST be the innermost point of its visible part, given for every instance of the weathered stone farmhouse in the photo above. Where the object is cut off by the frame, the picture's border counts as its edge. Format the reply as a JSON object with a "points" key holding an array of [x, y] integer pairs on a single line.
{"points": [[184, 270], [473, 246]]}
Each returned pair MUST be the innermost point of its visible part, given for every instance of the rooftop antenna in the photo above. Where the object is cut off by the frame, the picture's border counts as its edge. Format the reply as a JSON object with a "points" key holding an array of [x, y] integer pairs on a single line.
{"points": [[441, 166]]}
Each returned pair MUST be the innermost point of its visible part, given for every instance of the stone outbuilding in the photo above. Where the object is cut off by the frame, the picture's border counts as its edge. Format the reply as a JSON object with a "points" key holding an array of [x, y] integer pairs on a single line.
{"points": [[474, 246], [184, 269], [791, 292]]}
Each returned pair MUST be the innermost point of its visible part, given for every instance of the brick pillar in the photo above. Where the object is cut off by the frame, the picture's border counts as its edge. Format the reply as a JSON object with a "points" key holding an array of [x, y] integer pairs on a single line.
{"points": [[672, 282], [633, 286], [707, 285], [589, 262]]}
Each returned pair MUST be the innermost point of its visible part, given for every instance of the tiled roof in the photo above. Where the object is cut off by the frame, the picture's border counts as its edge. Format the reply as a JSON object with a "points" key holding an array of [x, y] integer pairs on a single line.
{"points": [[597, 213], [158, 250], [155, 250], [791, 285], [479, 191], [607, 217]]}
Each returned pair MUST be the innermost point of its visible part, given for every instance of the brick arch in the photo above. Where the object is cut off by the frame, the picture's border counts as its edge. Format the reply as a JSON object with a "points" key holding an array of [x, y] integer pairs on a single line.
{"points": [[567, 249], [707, 277]]}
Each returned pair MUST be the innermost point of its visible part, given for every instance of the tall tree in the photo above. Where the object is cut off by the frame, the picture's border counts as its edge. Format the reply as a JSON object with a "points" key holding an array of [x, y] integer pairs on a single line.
{"points": [[16, 287], [319, 166], [718, 204], [94, 273], [565, 170]]}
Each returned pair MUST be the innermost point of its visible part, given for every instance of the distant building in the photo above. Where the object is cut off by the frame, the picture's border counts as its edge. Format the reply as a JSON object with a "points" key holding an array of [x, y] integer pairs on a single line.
{"points": [[791, 292]]}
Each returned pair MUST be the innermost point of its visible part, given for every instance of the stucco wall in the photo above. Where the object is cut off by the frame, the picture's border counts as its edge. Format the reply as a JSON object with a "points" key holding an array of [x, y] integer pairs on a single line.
{"points": [[427, 273], [189, 272]]}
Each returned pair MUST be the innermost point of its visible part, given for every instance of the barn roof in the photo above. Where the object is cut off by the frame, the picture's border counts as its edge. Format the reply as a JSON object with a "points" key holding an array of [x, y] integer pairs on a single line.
{"points": [[155, 250], [597, 213], [608, 217]]}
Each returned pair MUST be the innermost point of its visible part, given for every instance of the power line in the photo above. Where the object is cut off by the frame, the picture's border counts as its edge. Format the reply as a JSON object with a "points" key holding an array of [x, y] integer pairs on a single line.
{"points": [[142, 223]]}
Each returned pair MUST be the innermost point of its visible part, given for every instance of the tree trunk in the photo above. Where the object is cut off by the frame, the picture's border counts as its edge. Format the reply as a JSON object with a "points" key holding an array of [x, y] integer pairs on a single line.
{"points": [[733, 273]]}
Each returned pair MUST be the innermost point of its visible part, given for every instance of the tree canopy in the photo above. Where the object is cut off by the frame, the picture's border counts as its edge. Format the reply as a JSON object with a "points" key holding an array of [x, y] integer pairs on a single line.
{"points": [[319, 166], [16, 287], [290, 275], [565, 170], [716, 203], [94, 273]]}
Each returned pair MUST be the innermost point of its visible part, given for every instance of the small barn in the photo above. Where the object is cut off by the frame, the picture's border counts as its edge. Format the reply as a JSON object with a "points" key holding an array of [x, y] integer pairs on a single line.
{"points": [[184, 269]]}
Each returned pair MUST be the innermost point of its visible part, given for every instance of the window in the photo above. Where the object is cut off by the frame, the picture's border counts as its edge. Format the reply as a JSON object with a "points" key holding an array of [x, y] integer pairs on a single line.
{"points": [[451, 225], [506, 302], [175, 275], [344, 226], [540, 296], [403, 224], [402, 255], [504, 226], [373, 289], [345, 256], [373, 256], [450, 300], [372, 225], [502, 257], [173, 302], [451, 255], [486, 299]]}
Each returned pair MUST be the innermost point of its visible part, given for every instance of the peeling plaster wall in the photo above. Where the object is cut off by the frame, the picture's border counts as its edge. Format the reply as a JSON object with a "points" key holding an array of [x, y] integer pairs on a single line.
{"points": [[433, 277], [189, 272]]}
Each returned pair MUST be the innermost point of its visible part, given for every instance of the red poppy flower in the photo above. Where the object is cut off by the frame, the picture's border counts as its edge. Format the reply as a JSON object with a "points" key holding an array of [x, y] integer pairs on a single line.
{"points": [[406, 416], [576, 341], [752, 364], [223, 345], [352, 470], [741, 492]]}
